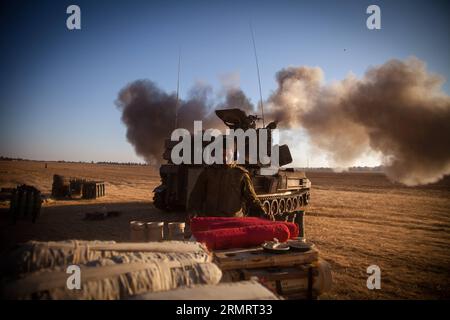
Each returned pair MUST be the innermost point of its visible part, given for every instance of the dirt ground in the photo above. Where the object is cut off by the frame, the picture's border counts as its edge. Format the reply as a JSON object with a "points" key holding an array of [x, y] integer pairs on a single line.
{"points": [[355, 219]]}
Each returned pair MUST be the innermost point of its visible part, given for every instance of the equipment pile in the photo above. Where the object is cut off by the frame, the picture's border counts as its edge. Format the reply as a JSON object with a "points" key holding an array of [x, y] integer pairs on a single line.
{"points": [[108, 270], [240, 267], [294, 271]]}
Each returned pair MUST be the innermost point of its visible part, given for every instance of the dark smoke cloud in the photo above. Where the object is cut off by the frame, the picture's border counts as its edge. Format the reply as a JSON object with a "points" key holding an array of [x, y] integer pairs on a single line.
{"points": [[397, 109], [236, 98], [149, 113]]}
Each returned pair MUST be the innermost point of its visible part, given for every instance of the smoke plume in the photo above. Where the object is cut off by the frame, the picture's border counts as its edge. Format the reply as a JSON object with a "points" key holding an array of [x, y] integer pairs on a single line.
{"points": [[149, 113], [397, 109]]}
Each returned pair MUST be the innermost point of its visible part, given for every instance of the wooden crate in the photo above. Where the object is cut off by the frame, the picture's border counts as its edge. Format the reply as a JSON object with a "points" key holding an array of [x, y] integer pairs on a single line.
{"points": [[76, 187], [93, 189], [259, 258], [287, 282], [292, 274], [301, 282]]}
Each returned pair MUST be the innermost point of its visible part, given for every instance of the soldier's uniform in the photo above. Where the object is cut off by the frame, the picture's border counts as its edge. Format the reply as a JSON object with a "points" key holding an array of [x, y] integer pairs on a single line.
{"points": [[224, 190]]}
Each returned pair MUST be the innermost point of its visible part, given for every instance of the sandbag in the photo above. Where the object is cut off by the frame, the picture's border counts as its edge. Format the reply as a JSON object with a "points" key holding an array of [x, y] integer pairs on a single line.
{"points": [[132, 257], [243, 237], [244, 290], [112, 280], [35, 255]]}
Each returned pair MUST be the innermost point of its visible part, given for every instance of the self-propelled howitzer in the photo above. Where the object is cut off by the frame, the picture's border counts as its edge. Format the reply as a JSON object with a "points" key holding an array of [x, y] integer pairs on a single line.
{"points": [[280, 190]]}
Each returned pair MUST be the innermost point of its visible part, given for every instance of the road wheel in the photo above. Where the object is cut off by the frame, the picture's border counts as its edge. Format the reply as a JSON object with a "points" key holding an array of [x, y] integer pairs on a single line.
{"points": [[288, 204], [300, 201], [281, 206], [305, 199], [266, 206], [274, 207], [294, 203], [159, 199]]}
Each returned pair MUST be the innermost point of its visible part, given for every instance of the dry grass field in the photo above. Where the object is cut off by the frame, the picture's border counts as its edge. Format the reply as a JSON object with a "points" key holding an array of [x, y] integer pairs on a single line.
{"points": [[355, 219]]}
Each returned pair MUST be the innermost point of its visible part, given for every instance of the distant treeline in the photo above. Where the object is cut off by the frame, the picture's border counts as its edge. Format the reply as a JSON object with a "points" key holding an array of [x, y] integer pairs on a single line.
{"points": [[122, 163], [12, 159], [2, 158], [351, 169]]}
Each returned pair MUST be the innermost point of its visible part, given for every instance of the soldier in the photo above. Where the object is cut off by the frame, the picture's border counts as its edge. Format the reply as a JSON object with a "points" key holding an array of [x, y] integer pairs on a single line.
{"points": [[224, 190]]}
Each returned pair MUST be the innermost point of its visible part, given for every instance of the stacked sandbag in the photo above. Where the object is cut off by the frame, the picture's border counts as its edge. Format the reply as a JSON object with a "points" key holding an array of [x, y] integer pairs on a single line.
{"points": [[244, 290], [36, 255], [108, 270], [113, 280]]}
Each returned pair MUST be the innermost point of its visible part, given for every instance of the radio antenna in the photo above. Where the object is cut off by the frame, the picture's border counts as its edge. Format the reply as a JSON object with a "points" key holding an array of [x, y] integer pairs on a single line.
{"points": [[257, 70], [178, 88]]}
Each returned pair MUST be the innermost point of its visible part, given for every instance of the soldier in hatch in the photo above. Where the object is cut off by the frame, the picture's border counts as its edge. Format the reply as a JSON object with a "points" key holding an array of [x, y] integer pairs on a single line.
{"points": [[225, 190]]}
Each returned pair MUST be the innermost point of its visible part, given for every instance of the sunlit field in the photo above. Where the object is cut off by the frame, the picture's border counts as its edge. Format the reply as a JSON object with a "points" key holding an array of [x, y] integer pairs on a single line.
{"points": [[355, 219]]}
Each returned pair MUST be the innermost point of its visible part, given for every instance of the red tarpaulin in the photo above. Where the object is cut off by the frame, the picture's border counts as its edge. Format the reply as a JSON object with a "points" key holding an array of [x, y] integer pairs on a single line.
{"points": [[232, 232], [204, 223], [243, 237], [213, 223]]}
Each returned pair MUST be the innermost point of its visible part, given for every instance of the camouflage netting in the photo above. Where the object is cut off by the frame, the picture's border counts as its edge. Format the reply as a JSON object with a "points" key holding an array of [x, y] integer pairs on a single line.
{"points": [[35, 255], [109, 270]]}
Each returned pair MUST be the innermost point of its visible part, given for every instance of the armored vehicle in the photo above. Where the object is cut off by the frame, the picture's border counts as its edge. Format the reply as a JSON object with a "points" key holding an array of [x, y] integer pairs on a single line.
{"points": [[280, 190]]}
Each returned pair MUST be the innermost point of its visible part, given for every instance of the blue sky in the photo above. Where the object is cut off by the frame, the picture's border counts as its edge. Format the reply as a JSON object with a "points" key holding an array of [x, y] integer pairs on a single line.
{"points": [[58, 87]]}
